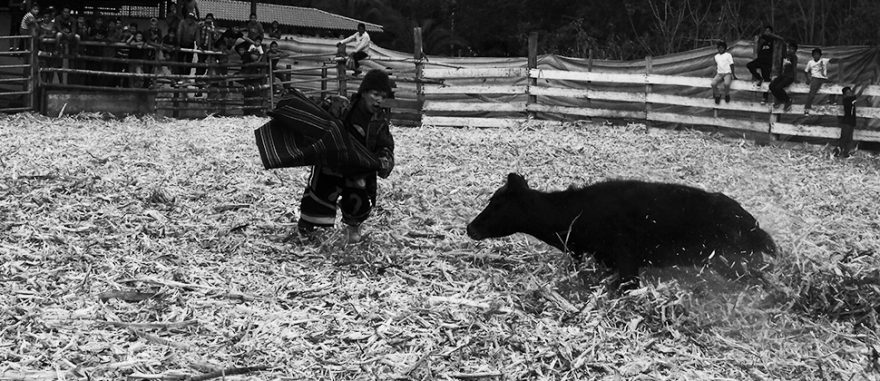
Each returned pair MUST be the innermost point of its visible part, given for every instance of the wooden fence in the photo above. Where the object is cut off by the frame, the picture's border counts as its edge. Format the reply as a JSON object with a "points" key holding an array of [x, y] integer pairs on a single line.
{"points": [[541, 94]]}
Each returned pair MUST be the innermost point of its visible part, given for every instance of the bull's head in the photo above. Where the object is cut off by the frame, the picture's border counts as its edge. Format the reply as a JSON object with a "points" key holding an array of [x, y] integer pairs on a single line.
{"points": [[505, 213]]}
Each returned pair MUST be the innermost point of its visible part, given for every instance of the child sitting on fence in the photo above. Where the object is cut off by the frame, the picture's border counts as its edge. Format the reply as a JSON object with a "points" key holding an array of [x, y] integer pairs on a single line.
{"points": [[723, 72], [817, 74]]}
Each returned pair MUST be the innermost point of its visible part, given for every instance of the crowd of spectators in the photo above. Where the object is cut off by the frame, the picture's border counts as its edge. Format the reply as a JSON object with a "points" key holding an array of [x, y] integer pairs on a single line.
{"points": [[184, 36]]}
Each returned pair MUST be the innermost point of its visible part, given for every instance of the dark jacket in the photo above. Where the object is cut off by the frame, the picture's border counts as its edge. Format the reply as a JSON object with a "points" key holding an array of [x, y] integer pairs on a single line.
{"points": [[377, 137]]}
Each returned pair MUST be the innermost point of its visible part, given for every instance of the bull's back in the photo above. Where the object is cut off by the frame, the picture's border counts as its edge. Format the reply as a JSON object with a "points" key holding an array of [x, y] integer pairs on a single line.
{"points": [[666, 223]]}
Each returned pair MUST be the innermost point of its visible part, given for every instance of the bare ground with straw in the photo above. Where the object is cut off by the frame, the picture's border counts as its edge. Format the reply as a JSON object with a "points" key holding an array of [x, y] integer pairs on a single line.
{"points": [[152, 249]]}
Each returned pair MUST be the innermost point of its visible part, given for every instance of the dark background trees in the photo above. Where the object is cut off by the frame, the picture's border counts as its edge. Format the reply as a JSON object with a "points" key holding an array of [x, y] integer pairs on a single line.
{"points": [[619, 29]]}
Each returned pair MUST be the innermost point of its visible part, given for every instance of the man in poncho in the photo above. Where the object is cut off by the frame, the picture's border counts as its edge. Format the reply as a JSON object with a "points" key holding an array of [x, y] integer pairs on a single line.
{"points": [[367, 121]]}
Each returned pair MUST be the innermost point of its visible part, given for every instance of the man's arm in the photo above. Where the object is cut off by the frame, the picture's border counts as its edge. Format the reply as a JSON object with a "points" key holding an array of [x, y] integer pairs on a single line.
{"points": [[347, 39]]}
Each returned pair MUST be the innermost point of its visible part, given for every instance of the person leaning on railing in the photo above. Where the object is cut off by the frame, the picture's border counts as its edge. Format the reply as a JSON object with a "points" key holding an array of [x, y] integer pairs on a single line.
{"points": [[187, 34]]}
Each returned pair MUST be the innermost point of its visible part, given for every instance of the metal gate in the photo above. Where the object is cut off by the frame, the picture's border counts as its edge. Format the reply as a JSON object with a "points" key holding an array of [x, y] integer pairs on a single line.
{"points": [[17, 75]]}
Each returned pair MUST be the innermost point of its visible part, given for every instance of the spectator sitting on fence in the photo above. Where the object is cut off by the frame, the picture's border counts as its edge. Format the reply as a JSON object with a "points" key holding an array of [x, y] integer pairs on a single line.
{"points": [[786, 78], [47, 22], [275, 32], [206, 41], [764, 59], [723, 72], [362, 45], [817, 74], [274, 55], [254, 51], [28, 25], [254, 28], [17, 11], [187, 35], [65, 29]]}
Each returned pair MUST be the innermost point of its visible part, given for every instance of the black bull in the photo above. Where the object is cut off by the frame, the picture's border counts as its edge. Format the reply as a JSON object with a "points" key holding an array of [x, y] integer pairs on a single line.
{"points": [[629, 224]]}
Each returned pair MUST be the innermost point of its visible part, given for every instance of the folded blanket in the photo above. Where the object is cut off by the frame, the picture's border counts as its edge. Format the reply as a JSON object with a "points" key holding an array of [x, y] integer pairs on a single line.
{"points": [[302, 134]]}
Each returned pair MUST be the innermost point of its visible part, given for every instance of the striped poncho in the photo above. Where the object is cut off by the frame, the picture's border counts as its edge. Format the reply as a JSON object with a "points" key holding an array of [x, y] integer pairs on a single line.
{"points": [[303, 134]]}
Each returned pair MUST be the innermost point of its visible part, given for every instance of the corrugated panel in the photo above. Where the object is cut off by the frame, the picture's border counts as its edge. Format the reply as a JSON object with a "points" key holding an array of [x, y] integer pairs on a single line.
{"points": [[284, 14]]}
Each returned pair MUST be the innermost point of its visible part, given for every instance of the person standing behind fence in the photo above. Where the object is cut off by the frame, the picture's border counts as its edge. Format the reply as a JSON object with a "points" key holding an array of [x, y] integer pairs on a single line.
{"points": [[275, 31], [847, 122], [786, 77], [122, 53], [190, 6], [187, 35], [138, 52], [723, 72], [205, 42], [817, 75], [254, 28], [362, 45]]}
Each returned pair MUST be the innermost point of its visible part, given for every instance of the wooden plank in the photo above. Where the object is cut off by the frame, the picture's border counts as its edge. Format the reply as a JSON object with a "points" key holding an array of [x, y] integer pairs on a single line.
{"points": [[587, 76], [866, 135], [587, 111], [708, 103], [474, 106], [471, 122], [492, 72], [486, 89], [805, 130], [709, 121], [588, 94], [699, 82]]}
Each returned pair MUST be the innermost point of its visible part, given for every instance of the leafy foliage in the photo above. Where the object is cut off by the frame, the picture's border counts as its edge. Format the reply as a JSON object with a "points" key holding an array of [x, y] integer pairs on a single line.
{"points": [[624, 29]]}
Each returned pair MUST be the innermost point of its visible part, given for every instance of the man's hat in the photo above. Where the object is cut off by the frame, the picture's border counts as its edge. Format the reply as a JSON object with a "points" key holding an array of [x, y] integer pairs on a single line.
{"points": [[376, 79]]}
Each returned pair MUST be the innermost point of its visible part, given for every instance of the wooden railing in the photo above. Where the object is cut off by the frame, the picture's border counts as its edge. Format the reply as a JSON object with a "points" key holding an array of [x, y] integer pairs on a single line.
{"points": [[738, 114]]}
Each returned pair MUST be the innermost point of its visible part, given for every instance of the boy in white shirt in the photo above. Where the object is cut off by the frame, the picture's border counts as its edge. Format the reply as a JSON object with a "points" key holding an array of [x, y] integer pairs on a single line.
{"points": [[817, 74], [723, 73], [362, 44]]}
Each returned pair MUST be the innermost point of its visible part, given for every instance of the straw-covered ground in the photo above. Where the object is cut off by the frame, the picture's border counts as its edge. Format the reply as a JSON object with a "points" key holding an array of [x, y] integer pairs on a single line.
{"points": [[153, 249]]}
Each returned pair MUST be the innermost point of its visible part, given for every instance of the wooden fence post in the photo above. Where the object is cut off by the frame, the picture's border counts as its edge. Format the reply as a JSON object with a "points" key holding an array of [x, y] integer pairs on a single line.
{"points": [[418, 55], [532, 64], [589, 70], [271, 84], [323, 80], [36, 89], [649, 66], [341, 70]]}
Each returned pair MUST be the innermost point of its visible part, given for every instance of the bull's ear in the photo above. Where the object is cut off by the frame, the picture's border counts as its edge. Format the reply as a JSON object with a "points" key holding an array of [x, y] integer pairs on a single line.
{"points": [[515, 181]]}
